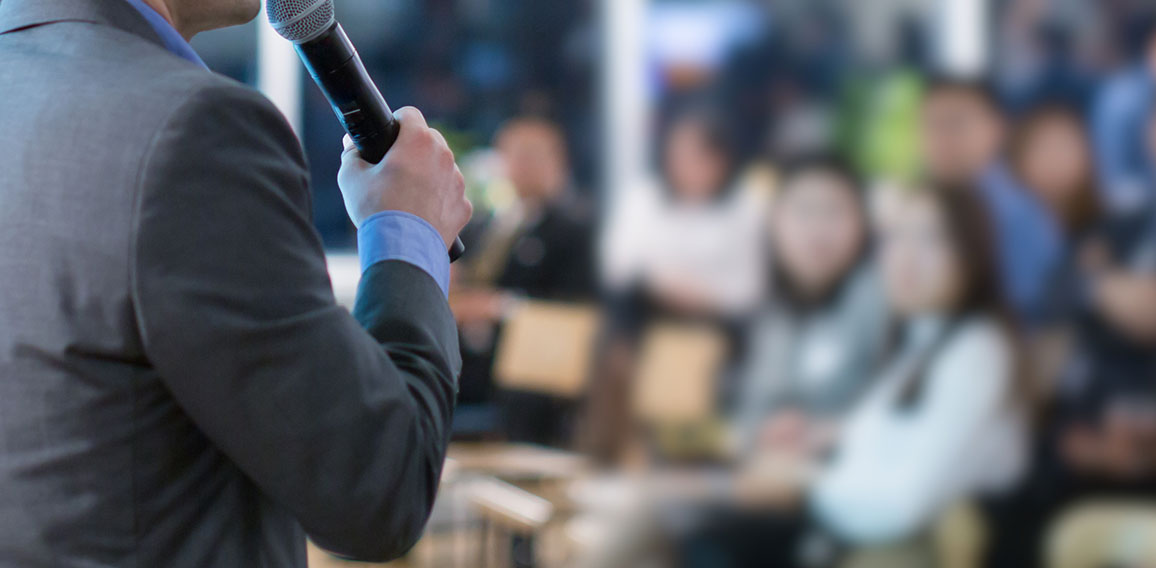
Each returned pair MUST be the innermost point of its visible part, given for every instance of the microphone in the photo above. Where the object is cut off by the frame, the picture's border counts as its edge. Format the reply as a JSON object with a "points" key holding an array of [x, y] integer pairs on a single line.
{"points": [[337, 68]]}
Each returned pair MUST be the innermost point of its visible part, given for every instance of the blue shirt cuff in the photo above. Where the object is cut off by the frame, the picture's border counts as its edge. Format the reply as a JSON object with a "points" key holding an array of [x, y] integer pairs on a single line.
{"points": [[397, 235]]}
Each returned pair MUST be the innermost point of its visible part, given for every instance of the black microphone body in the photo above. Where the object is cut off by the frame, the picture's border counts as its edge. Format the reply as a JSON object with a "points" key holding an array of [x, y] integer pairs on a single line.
{"points": [[337, 68]]}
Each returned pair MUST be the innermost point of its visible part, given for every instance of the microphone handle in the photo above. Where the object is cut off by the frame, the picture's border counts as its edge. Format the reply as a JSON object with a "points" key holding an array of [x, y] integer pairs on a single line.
{"points": [[337, 68]]}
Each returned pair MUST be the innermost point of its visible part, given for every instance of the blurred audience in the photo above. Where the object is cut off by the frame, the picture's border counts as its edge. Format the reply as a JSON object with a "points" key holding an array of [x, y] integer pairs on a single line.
{"points": [[946, 418], [992, 339], [1098, 437], [540, 247], [963, 136], [811, 351]]}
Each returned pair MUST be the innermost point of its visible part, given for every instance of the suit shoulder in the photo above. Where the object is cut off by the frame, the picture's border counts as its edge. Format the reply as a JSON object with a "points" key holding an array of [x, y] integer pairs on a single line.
{"points": [[214, 113], [194, 87], [219, 137], [168, 81]]}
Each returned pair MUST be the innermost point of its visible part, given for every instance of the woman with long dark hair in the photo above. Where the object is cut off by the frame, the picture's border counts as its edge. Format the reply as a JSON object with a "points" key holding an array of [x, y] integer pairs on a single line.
{"points": [[947, 418], [1050, 155]]}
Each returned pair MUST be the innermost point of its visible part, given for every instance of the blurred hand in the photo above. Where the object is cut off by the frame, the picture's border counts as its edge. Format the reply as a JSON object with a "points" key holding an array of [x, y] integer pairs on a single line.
{"points": [[788, 431], [1120, 448], [1094, 256], [418, 175], [1128, 301], [478, 306], [1127, 443], [681, 293], [774, 481], [1080, 446]]}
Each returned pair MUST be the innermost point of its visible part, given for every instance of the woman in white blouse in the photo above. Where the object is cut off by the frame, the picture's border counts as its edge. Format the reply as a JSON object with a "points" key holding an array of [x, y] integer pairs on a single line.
{"points": [[691, 243], [947, 418]]}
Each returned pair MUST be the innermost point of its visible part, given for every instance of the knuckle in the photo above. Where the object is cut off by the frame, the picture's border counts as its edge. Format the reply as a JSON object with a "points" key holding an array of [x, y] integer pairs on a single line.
{"points": [[427, 140]]}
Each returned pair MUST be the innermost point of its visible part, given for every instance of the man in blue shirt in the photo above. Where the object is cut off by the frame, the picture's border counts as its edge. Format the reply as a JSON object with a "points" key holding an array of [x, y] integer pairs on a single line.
{"points": [[963, 133], [178, 386]]}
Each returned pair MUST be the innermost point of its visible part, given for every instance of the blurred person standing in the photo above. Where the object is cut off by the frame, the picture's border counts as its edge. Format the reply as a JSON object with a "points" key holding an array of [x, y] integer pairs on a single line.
{"points": [[812, 351], [1047, 52], [963, 135], [540, 247], [1119, 113], [178, 386]]}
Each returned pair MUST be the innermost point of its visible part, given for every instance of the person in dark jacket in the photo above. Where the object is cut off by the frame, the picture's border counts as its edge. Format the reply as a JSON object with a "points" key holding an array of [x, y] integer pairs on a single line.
{"points": [[540, 247], [178, 386]]}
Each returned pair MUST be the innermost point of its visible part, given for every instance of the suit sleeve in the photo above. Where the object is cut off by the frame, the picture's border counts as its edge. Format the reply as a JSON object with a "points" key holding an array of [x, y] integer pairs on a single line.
{"points": [[343, 419]]}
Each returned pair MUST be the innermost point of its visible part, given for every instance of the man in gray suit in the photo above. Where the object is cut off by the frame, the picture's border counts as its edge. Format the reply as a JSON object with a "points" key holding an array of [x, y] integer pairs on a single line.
{"points": [[177, 385]]}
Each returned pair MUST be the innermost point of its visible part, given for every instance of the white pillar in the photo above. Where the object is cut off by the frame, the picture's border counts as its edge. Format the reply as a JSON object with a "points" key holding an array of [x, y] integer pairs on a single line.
{"points": [[963, 36], [279, 73], [627, 110]]}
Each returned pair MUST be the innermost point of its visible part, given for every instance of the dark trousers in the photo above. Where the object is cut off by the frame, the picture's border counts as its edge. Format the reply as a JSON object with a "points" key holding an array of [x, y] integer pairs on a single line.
{"points": [[1019, 522]]}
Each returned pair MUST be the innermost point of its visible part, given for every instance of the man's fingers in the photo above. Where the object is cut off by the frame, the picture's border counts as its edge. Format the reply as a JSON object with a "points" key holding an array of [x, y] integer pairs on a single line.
{"points": [[411, 119], [349, 150], [439, 137], [351, 157]]}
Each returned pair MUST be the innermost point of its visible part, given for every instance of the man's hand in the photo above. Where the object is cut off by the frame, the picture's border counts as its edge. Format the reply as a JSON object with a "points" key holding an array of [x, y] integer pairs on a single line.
{"points": [[418, 175], [1118, 448]]}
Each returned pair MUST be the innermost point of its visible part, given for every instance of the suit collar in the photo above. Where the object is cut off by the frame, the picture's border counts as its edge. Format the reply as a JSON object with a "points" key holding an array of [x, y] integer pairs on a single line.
{"points": [[18, 14]]}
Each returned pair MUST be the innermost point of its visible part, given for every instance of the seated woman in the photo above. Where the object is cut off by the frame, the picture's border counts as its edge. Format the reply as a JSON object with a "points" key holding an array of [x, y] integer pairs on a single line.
{"points": [[948, 416], [687, 248], [813, 349], [688, 245]]}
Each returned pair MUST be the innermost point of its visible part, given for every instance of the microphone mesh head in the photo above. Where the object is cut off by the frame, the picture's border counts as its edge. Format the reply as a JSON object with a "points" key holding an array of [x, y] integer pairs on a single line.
{"points": [[300, 20]]}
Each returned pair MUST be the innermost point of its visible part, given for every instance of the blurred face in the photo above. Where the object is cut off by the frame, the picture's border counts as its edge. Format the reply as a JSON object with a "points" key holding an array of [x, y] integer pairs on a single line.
{"points": [[535, 159], [960, 135], [695, 170], [817, 231], [1055, 162], [921, 269]]}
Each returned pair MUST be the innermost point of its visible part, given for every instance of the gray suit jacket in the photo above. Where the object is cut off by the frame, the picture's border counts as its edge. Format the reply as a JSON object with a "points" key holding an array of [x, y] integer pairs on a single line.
{"points": [[177, 385]]}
